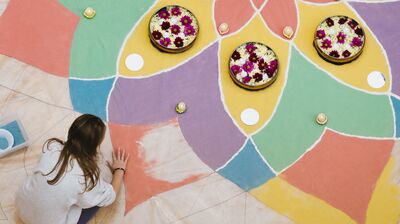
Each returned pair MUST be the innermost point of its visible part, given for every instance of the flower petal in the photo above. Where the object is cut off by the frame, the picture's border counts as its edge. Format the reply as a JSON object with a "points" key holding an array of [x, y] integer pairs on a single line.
{"points": [[280, 13], [240, 11], [386, 31], [39, 33]]}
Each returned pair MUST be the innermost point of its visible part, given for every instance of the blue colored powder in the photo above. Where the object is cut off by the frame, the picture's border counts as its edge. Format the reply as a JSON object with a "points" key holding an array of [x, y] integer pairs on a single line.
{"points": [[3, 143], [16, 131]]}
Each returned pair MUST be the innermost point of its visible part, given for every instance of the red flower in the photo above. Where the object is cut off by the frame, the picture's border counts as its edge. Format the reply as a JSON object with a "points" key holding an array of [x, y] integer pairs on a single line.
{"points": [[258, 77], [342, 20], [262, 64], [326, 44], [329, 22], [236, 55], [346, 53], [156, 34], [253, 57], [163, 13], [175, 29], [352, 24], [334, 54], [165, 25], [178, 42], [359, 32]]}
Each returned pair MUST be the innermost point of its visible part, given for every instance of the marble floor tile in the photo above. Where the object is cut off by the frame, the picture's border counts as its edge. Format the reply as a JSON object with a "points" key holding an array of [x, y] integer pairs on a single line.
{"points": [[10, 70], [3, 6], [231, 211], [4, 95], [202, 194], [44, 86]]}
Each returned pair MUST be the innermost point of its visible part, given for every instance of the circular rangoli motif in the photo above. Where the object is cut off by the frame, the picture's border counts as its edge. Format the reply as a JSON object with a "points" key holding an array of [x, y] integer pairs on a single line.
{"points": [[339, 39], [173, 29], [253, 66]]}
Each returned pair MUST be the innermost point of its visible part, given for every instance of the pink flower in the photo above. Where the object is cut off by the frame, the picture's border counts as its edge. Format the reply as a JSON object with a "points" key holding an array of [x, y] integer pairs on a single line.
{"points": [[346, 53], [320, 34], [176, 11], [163, 13], [273, 64], [262, 64], [186, 20], [270, 72], [326, 44], [165, 41], [248, 66], [253, 57], [178, 42], [165, 25], [356, 42], [246, 79], [258, 77], [250, 48], [272, 67], [156, 34], [236, 56], [341, 37], [236, 69], [189, 31], [175, 29]]}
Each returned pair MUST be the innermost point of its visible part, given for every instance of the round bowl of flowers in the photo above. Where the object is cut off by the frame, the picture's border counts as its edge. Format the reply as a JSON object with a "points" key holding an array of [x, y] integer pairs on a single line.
{"points": [[253, 66], [173, 29], [339, 39]]}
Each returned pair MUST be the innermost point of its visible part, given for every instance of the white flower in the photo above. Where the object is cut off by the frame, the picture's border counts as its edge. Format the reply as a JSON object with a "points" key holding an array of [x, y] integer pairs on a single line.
{"points": [[243, 74], [181, 35], [165, 35], [242, 61], [173, 20], [331, 31], [335, 46]]}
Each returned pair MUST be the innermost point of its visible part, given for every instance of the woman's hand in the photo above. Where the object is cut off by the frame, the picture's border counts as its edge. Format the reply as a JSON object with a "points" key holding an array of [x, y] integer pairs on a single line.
{"points": [[118, 167], [120, 159]]}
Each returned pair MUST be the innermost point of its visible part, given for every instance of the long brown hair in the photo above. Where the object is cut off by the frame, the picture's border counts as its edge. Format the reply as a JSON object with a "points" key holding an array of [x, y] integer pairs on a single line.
{"points": [[84, 137]]}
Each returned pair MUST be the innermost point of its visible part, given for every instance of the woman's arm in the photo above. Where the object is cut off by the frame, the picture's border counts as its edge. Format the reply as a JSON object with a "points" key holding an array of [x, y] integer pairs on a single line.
{"points": [[118, 167]]}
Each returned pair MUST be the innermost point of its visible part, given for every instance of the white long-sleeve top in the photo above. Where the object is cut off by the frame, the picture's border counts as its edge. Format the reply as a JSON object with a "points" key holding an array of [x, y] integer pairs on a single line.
{"points": [[41, 203]]}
